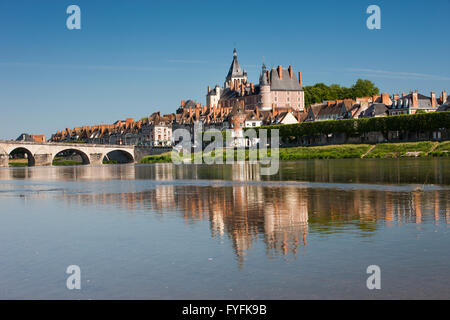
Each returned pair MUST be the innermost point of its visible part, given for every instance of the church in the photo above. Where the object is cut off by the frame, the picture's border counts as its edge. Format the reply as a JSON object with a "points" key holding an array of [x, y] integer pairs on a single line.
{"points": [[278, 89]]}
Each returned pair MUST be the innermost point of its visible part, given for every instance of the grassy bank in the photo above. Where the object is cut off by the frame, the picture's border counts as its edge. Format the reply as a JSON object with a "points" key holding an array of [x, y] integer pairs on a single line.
{"points": [[397, 150], [161, 158], [18, 162], [442, 150], [324, 152], [347, 151], [110, 162], [67, 163]]}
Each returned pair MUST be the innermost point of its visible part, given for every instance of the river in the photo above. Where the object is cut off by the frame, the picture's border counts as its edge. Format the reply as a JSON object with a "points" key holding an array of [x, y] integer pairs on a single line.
{"points": [[225, 232]]}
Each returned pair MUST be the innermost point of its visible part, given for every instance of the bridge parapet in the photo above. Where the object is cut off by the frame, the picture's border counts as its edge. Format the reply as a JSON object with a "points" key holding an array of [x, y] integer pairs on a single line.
{"points": [[88, 145]]}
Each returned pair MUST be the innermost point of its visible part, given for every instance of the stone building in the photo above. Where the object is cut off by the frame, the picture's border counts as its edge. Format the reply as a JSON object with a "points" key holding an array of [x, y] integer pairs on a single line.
{"points": [[279, 87], [412, 103], [31, 137]]}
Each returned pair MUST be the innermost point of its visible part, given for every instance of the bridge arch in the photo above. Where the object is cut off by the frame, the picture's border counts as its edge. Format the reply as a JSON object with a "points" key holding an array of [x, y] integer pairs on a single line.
{"points": [[118, 156], [74, 155], [18, 152]]}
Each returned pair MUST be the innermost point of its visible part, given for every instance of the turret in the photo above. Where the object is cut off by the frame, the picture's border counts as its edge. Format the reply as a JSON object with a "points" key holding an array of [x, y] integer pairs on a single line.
{"points": [[264, 89]]}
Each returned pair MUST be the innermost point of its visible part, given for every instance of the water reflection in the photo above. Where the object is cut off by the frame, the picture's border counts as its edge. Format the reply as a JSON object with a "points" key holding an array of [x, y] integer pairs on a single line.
{"points": [[248, 209], [281, 217], [359, 171]]}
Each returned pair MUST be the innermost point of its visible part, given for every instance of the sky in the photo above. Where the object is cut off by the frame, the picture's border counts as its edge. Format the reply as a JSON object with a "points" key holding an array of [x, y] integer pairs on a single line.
{"points": [[133, 58]]}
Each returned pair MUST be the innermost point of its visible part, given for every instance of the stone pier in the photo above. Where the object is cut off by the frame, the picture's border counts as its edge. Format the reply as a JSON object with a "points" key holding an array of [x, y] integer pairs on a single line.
{"points": [[4, 159], [44, 159]]}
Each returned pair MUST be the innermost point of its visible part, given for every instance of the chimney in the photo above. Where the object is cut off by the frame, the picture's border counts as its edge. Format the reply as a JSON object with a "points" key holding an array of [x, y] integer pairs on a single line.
{"points": [[300, 81], [257, 113], [252, 87], [396, 96], [274, 110], [268, 76], [190, 112], [280, 72], [182, 103], [433, 100], [385, 99], [242, 89], [444, 97], [197, 111], [209, 89], [231, 85], [415, 99], [290, 72]]}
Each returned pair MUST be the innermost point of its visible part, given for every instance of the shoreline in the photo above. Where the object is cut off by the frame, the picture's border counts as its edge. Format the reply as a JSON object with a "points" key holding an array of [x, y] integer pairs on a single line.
{"points": [[421, 149]]}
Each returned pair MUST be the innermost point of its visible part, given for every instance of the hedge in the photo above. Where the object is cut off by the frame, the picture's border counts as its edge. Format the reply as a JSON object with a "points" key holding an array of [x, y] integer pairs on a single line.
{"points": [[355, 127]]}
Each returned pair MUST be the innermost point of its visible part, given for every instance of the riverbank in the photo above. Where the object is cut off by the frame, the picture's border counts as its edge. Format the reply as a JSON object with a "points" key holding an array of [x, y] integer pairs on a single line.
{"points": [[348, 151], [18, 162]]}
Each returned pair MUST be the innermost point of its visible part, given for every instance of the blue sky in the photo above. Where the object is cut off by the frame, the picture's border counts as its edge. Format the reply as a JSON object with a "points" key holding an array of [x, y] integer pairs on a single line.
{"points": [[132, 58]]}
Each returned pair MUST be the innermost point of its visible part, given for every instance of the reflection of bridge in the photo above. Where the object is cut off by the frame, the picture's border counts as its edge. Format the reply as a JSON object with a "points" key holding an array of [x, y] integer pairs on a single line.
{"points": [[43, 153]]}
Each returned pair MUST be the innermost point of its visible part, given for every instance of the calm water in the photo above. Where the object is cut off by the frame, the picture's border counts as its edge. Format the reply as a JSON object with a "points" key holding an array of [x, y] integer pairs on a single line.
{"points": [[217, 232]]}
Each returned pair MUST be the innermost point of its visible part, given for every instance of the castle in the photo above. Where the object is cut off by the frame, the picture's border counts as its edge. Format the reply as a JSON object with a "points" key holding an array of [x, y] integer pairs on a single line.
{"points": [[278, 98], [278, 89]]}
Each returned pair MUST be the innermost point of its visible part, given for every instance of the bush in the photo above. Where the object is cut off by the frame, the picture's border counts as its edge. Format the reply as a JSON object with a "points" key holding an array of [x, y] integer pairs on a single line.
{"points": [[354, 127], [162, 158]]}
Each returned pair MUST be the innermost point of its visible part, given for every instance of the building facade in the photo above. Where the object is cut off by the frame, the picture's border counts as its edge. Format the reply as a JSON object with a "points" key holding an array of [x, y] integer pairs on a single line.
{"points": [[278, 87]]}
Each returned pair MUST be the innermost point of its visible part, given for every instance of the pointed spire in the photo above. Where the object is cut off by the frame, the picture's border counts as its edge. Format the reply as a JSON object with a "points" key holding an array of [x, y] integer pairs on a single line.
{"points": [[235, 68], [263, 81]]}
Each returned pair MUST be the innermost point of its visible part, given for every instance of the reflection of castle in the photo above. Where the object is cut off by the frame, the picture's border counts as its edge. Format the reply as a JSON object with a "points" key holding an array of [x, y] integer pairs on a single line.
{"points": [[279, 215]]}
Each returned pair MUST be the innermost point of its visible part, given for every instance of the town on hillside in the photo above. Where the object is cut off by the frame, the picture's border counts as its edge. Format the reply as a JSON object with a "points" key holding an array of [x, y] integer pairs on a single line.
{"points": [[278, 98]]}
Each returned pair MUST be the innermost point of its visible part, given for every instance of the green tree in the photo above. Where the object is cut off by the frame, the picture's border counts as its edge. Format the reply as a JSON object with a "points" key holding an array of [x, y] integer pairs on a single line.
{"points": [[363, 88], [321, 92]]}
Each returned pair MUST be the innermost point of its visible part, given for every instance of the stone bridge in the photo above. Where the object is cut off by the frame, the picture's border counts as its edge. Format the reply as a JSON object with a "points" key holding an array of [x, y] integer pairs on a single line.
{"points": [[43, 154]]}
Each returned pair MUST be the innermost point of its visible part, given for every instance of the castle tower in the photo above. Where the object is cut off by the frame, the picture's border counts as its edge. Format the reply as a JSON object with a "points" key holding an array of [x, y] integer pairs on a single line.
{"points": [[264, 89]]}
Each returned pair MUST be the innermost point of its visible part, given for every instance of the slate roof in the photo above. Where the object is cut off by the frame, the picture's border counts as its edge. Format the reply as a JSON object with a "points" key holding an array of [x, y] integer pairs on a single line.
{"points": [[407, 101], [376, 109], [25, 137], [444, 107], [235, 68], [284, 84]]}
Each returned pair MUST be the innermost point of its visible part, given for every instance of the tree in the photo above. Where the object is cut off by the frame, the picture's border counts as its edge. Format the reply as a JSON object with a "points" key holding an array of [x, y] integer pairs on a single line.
{"points": [[321, 92], [364, 88]]}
